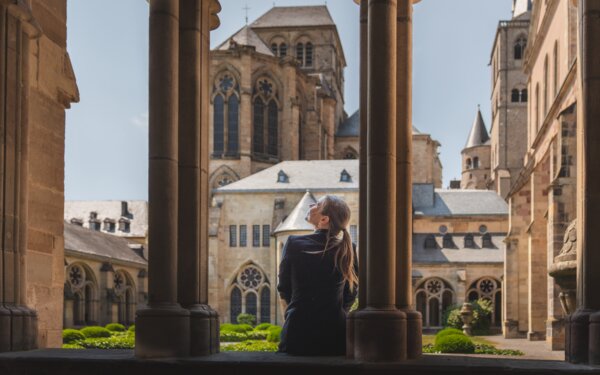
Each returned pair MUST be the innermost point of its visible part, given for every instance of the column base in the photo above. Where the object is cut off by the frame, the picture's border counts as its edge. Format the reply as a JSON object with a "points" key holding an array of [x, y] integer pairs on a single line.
{"points": [[536, 336], [4, 329], [380, 335], [162, 331], [17, 323], [215, 331], [414, 333], [200, 330], [350, 335], [594, 341], [555, 334], [510, 330], [577, 336]]}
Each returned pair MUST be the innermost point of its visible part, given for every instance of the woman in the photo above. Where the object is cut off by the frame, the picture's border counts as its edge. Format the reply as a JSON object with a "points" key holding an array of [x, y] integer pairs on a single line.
{"points": [[318, 282]]}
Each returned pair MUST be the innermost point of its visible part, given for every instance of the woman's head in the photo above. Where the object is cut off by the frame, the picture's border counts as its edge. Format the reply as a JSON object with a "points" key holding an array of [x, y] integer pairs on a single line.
{"points": [[333, 214]]}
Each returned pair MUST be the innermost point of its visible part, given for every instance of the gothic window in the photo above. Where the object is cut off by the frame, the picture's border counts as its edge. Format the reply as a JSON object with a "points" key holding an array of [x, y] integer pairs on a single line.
{"points": [[256, 236], [519, 49], [266, 234], [225, 116], [514, 97], [232, 235], [350, 156], [469, 241], [524, 96], [433, 297], [235, 302], [224, 180], [448, 242], [283, 50], [430, 242], [80, 289], [243, 236], [489, 289], [274, 48], [300, 53], [265, 305], [266, 119], [251, 304], [309, 54], [486, 241]]}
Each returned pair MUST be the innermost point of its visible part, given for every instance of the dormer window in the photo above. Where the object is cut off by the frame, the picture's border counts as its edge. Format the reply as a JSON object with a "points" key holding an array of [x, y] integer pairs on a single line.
{"points": [[430, 242], [109, 225], [124, 209], [93, 221], [124, 225], [282, 177], [469, 241], [448, 242], [345, 176], [77, 221], [93, 215], [486, 241]]}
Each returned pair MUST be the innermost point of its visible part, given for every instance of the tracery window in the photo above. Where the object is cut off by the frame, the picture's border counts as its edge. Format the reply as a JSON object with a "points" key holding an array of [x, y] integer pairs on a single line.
{"points": [[265, 119], [80, 296], [519, 48], [226, 116], [304, 54], [490, 289], [124, 293], [248, 285], [433, 297]]}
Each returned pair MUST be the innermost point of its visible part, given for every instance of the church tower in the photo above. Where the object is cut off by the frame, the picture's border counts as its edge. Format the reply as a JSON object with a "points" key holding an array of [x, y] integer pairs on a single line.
{"points": [[476, 156]]}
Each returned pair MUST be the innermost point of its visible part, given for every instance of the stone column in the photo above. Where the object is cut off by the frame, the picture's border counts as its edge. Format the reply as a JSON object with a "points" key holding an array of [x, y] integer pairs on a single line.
{"points": [[404, 180], [163, 329], [363, 183], [380, 329], [583, 330]]}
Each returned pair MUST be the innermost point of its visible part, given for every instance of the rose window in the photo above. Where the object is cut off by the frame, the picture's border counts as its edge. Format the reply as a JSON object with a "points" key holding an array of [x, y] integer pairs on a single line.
{"points": [[226, 82], [434, 286], [265, 87], [487, 286], [226, 180], [76, 276], [250, 278], [119, 281]]}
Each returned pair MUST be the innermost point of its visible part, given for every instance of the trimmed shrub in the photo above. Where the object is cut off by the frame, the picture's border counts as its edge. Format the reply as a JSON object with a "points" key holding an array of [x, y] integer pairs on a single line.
{"points": [[72, 346], [115, 327], [230, 336], [454, 344], [482, 315], [95, 332], [257, 335], [274, 334], [239, 328], [246, 319], [251, 346], [71, 335], [116, 342], [447, 332], [131, 328], [263, 327]]}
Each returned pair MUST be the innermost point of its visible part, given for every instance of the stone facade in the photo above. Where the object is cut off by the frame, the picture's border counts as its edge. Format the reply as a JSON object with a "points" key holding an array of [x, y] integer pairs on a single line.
{"points": [[542, 197], [38, 85]]}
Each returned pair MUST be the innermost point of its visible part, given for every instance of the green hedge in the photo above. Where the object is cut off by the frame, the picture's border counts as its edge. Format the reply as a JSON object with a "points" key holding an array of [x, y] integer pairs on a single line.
{"points": [[131, 328], [263, 327], [116, 342], [246, 319], [95, 332], [115, 327], [239, 328], [455, 344], [230, 336], [251, 346], [274, 334], [71, 335], [257, 335]]}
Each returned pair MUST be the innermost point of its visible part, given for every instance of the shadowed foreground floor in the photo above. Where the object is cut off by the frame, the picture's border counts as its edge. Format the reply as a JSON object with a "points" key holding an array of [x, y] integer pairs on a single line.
{"points": [[117, 362]]}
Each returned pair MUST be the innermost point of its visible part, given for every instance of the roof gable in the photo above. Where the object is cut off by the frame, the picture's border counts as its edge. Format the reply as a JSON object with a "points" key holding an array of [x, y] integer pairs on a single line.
{"points": [[298, 16]]}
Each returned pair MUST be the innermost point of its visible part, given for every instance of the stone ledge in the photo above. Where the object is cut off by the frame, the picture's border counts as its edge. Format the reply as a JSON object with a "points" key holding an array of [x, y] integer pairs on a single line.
{"points": [[122, 362]]}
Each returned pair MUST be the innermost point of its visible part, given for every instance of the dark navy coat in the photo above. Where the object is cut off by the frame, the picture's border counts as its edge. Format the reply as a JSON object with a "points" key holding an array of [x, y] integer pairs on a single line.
{"points": [[318, 300]]}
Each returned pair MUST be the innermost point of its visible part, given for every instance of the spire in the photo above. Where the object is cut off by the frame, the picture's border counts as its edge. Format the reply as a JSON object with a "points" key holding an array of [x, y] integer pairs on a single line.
{"points": [[296, 220], [478, 135]]}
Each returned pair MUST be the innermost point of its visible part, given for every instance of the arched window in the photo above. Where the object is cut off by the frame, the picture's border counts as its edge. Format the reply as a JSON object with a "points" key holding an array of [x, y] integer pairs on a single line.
{"points": [[235, 304], [448, 242], [519, 49], [247, 286], [226, 116], [524, 96], [274, 48], [490, 289], [309, 54], [468, 163], [555, 69], [265, 305], [282, 50], [469, 241], [266, 120], [124, 292], [486, 241], [537, 107], [514, 97], [475, 162], [300, 53], [80, 296], [433, 297], [545, 88]]}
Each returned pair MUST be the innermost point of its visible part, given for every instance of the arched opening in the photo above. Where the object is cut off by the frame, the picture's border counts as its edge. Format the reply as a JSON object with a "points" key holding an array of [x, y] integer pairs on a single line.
{"points": [[249, 285], [251, 304], [235, 304], [490, 289], [432, 297], [265, 305], [519, 48]]}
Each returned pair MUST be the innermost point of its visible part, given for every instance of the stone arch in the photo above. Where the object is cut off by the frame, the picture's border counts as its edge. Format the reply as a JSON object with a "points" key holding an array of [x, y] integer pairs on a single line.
{"points": [[278, 83], [81, 295], [224, 171], [125, 296], [490, 289], [350, 153], [223, 69], [432, 297], [250, 280]]}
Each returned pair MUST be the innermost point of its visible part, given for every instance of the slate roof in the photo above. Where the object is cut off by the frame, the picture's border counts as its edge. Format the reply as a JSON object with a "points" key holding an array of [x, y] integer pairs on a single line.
{"points": [[351, 127], [460, 254], [296, 220], [246, 37], [138, 214], [478, 136], [295, 16], [458, 202], [89, 242], [313, 175]]}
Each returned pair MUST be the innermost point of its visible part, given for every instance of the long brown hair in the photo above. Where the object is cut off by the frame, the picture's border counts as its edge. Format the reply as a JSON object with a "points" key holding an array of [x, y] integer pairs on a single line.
{"points": [[339, 216]]}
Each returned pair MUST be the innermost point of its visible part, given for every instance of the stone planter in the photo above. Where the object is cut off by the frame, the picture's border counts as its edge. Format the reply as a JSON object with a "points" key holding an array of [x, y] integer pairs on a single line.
{"points": [[564, 269]]}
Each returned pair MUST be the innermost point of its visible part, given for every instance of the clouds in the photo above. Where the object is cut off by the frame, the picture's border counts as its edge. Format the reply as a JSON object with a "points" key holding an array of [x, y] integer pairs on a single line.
{"points": [[140, 120]]}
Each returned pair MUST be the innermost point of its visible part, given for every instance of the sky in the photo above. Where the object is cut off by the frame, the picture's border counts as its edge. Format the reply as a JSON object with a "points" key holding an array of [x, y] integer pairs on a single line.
{"points": [[106, 150]]}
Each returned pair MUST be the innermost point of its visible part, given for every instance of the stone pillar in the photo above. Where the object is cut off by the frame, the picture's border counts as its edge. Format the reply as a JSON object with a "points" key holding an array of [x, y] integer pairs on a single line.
{"points": [[404, 179], [380, 329], [583, 327], [538, 266], [163, 329], [363, 182]]}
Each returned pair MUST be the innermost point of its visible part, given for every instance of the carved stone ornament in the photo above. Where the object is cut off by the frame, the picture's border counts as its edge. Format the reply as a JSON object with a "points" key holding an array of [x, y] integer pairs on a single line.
{"points": [[564, 269]]}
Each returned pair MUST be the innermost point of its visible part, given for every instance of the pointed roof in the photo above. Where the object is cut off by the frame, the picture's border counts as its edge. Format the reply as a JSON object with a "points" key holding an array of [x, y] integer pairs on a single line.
{"points": [[296, 220], [246, 37], [295, 16], [478, 135], [351, 127]]}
